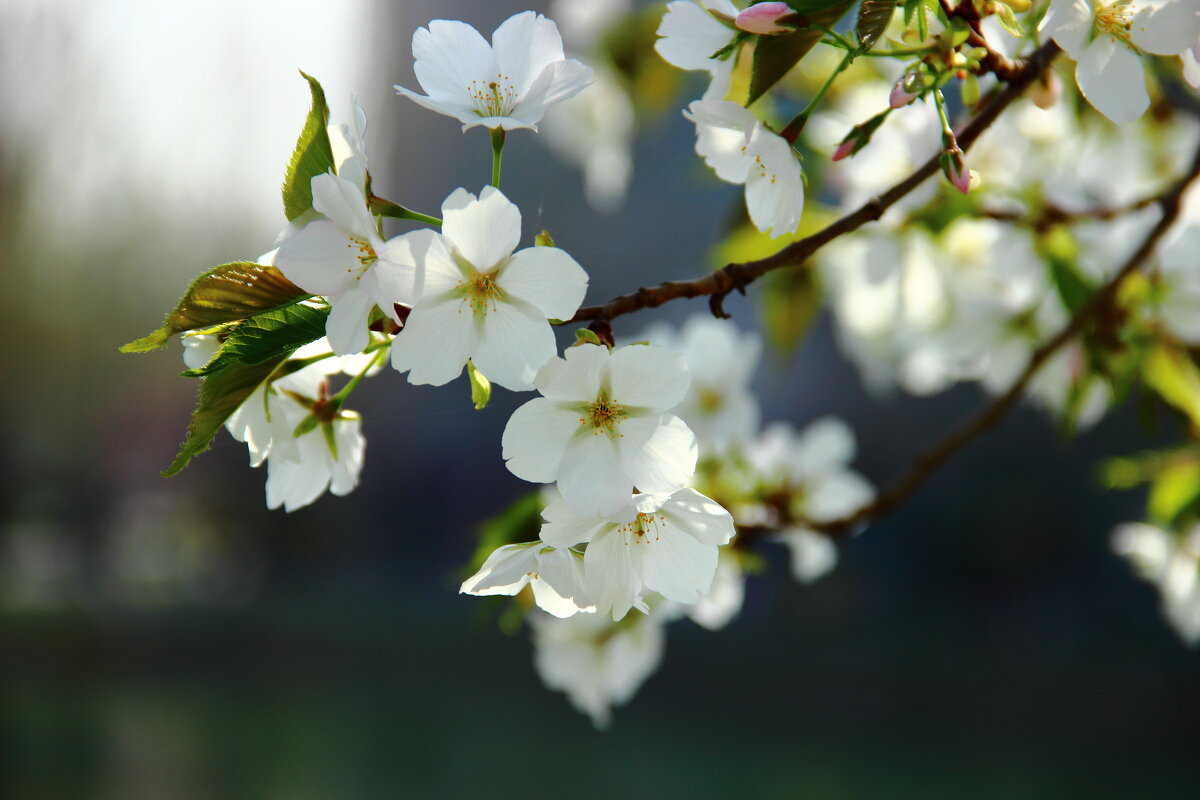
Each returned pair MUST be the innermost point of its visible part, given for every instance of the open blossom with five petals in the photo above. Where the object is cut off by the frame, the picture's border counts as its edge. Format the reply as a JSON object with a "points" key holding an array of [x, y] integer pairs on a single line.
{"points": [[691, 34], [1107, 38], [659, 543], [555, 575], [735, 143], [507, 84], [601, 427], [479, 300], [343, 258]]}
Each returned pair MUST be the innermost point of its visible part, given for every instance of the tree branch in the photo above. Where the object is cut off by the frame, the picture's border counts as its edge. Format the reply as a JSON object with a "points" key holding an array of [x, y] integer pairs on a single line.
{"points": [[941, 452], [736, 276]]}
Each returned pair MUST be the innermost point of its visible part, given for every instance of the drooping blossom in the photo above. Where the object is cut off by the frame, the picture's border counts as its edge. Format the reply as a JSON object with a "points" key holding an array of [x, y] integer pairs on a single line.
{"points": [[691, 34], [554, 574]]}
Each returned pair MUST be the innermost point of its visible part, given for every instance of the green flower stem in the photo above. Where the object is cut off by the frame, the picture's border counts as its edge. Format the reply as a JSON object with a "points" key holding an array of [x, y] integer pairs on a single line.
{"points": [[340, 398], [497, 150], [386, 208], [793, 128], [948, 140]]}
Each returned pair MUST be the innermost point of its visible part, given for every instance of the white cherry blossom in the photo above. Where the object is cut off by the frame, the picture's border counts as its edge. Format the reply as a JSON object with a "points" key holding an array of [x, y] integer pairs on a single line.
{"points": [[600, 427], [344, 258], [724, 598], [740, 149], [1171, 563], [1106, 40], [507, 84], [598, 663], [479, 300], [554, 574], [719, 406], [656, 543]]}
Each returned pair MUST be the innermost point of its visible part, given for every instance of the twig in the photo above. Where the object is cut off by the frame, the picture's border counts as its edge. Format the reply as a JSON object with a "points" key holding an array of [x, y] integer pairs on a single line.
{"points": [[1053, 215], [989, 416], [736, 276]]}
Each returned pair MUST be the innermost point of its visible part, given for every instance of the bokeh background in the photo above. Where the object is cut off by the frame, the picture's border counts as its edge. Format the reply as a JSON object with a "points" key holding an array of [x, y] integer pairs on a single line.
{"points": [[171, 638]]}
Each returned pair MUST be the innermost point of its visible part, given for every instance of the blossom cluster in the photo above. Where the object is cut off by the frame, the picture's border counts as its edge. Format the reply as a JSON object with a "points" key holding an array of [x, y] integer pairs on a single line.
{"points": [[655, 474]]}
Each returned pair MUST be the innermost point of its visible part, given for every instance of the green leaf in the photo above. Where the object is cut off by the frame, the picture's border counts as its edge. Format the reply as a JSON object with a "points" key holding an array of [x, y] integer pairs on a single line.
{"points": [[520, 522], [481, 387], [1008, 20], [223, 294], [543, 239], [313, 155], [221, 394], [1174, 491], [873, 19], [774, 56], [1175, 377], [1061, 250], [266, 337], [586, 336]]}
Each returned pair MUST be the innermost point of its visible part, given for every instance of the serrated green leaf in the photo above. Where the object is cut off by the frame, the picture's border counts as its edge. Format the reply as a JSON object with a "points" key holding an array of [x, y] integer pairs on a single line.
{"points": [[774, 56], [313, 155], [873, 19], [265, 337], [226, 293], [221, 394]]}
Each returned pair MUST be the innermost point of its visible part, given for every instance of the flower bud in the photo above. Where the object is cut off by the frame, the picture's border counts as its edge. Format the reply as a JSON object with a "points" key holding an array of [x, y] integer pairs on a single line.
{"points": [[954, 165], [765, 19], [905, 91], [844, 149], [1046, 90]]}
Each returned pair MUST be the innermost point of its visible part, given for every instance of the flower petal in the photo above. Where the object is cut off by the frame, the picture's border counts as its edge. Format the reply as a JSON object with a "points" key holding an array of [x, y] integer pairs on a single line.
{"points": [[703, 518], [515, 340], [346, 327], [576, 377], [1070, 23], [564, 528], [450, 57], [535, 439], [523, 46], [506, 571], [1111, 78], [650, 377], [484, 231], [435, 342], [343, 202], [591, 477], [351, 448], [690, 35], [1166, 29], [548, 278], [319, 258], [613, 583], [673, 562], [666, 461]]}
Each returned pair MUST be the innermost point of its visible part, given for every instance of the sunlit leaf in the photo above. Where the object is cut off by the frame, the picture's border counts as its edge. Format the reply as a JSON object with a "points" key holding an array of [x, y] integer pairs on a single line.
{"points": [[1174, 492], [266, 337], [1176, 379], [226, 293], [313, 155], [774, 56], [873, 19]]}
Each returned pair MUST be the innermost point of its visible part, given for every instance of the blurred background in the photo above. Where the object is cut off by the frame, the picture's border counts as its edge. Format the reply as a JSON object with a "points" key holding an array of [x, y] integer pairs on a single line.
{"points": [[171, 638]]}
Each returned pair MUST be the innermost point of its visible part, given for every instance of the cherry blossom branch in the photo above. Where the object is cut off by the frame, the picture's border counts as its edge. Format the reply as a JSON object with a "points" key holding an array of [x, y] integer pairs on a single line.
{"points": [[958, 438], [1052, 214], [736, 276]]}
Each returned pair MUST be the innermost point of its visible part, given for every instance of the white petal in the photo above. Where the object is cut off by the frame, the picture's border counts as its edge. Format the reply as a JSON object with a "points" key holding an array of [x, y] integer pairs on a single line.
{"points": [[535, 438], [515, 341], [1167, 29], [437, 272], [650, 377], [523, 46], [400, 260], [435, 343], [1191, 67], [564, 528], [723, 130], [674, 563], [351, 447], [346, 327], [704, 519], [774, 187], [344, 204], [813, 555], [823, 445], [690, 36], [546, 277], [613, 583], [548, 599], [485, 231], [461, 111], [562, 570], [666, 461], [591, 478], [319, 259], [1111, 78], [450, 57], [506, 571], [836, 495], [576, 377], [1070, 23]]}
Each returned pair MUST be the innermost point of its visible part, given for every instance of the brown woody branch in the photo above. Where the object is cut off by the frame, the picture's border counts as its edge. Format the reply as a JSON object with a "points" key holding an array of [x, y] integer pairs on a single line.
{"points": [[736, 276]]}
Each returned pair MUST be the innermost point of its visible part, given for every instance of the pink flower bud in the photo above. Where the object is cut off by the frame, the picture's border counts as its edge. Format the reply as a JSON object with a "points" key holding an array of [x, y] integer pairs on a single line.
{"points": [[899, 97], [764, 18], [959, 175], [844, 149]]}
